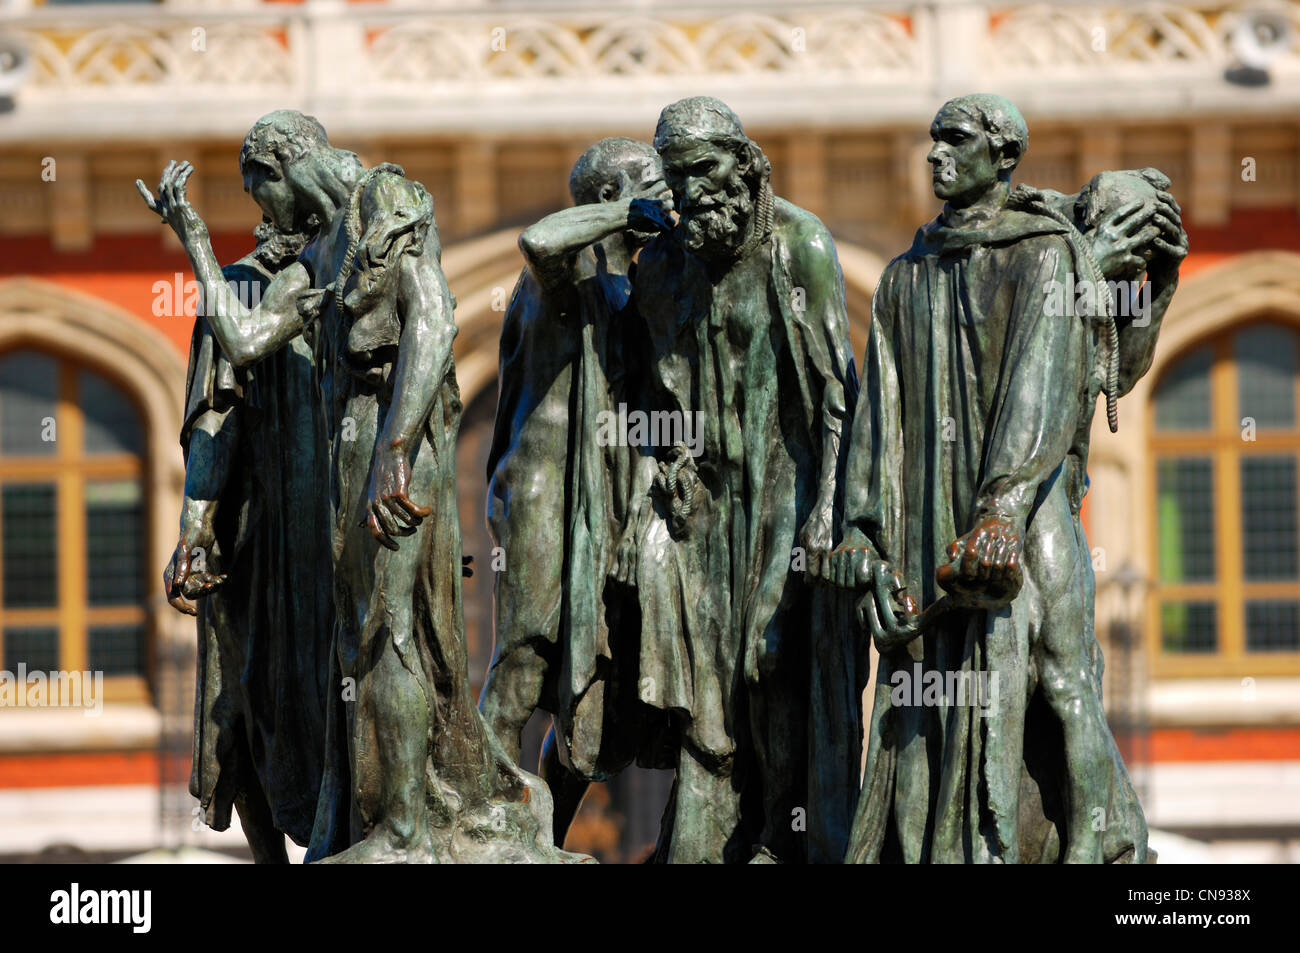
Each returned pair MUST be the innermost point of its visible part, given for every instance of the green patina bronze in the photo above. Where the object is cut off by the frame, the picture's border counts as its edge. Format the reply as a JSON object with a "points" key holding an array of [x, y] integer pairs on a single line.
{"points": [[255, 477], [566, 621], [696, 591], [742, 304], [411, 772], [966, 473]]}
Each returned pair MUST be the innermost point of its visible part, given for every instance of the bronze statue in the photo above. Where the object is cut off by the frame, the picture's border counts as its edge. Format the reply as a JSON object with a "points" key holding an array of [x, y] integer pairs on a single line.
{"points": [[419, 773], [255, 482], [697, 529], [743, 306], [566, 632], [965, 476]]}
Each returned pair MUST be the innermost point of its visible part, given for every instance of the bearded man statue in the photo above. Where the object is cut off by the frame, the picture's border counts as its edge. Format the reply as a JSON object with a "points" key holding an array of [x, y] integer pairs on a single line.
{"points": [[743, 307]]}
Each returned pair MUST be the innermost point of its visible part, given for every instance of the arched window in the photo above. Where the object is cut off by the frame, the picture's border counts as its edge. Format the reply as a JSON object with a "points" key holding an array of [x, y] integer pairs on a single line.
{"points": [[72, 523], [1226, 453]]}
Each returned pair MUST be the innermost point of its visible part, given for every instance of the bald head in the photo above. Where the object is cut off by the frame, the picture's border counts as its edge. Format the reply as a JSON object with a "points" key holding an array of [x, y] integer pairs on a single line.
{"points": [[611, 165], [978, 141], [280, 137]]}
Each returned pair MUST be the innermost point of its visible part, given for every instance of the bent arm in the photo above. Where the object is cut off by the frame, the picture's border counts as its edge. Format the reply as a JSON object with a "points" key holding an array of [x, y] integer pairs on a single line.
{"points": [[1138, 333], [247, 334], [550, 245]]}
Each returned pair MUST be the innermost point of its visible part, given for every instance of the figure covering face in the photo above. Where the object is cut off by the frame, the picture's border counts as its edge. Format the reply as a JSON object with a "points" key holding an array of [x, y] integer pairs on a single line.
{"points": [[255, 481], [411, 771], [743, 304], [566, 633], [967, 471]]}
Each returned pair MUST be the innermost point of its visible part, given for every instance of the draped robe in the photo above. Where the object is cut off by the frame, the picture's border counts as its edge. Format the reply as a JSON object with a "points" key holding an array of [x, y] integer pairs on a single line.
{"points": [[399, 636], [557, 505], [757, 663], [263, 637], [977, 400]]}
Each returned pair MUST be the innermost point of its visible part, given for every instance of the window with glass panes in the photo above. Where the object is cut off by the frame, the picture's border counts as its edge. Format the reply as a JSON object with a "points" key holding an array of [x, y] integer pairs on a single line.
{"points": [[1226, 451], [72, 522]]}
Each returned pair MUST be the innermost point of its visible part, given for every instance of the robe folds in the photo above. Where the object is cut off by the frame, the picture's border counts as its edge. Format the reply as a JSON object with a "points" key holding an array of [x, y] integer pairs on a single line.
{"points": [[760, 666], [399, 653], [557, 506], [263, 637], [977, 400]]}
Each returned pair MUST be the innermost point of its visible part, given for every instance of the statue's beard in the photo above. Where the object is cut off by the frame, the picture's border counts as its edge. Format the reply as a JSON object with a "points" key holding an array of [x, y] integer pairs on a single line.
{"points": [[276, 248], [714, 227]]}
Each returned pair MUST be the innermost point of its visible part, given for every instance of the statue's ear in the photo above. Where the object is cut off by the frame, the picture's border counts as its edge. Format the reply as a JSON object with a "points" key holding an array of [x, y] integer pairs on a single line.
{"points": [[1009, 156], [746, 158]]}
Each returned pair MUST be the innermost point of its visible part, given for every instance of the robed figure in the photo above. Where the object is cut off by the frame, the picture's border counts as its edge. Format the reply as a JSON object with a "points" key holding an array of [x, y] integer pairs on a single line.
{"points": [[567, 620], [252, 556], [966, 475], [743, 305], [411, 772]]}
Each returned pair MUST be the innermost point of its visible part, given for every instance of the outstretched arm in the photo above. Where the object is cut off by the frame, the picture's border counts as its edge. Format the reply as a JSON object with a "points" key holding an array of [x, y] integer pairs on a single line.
{"points": [[245, 334]]}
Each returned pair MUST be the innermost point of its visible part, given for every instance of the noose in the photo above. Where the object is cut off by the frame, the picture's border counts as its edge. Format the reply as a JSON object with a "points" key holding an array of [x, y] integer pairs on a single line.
{"points": [[681, 493], [763, 221], [352, 228], [1028, 198]]}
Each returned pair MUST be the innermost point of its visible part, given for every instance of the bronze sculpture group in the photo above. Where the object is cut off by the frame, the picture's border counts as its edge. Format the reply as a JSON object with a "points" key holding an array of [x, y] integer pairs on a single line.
{"points": [[705, 518]]}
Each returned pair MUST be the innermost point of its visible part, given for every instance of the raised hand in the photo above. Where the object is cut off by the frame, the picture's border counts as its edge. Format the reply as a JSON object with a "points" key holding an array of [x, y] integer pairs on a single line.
{"points": [[1120, 237], [1170, 244], [172, 205], [650, 208]]}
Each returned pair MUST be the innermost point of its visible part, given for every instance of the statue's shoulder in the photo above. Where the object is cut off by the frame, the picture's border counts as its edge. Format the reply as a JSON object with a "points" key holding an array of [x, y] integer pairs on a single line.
{"points": [[1036, 235], [389, 202], [391, 207], [807, 241], [798, 226], [659, 262], [658, 250]]}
